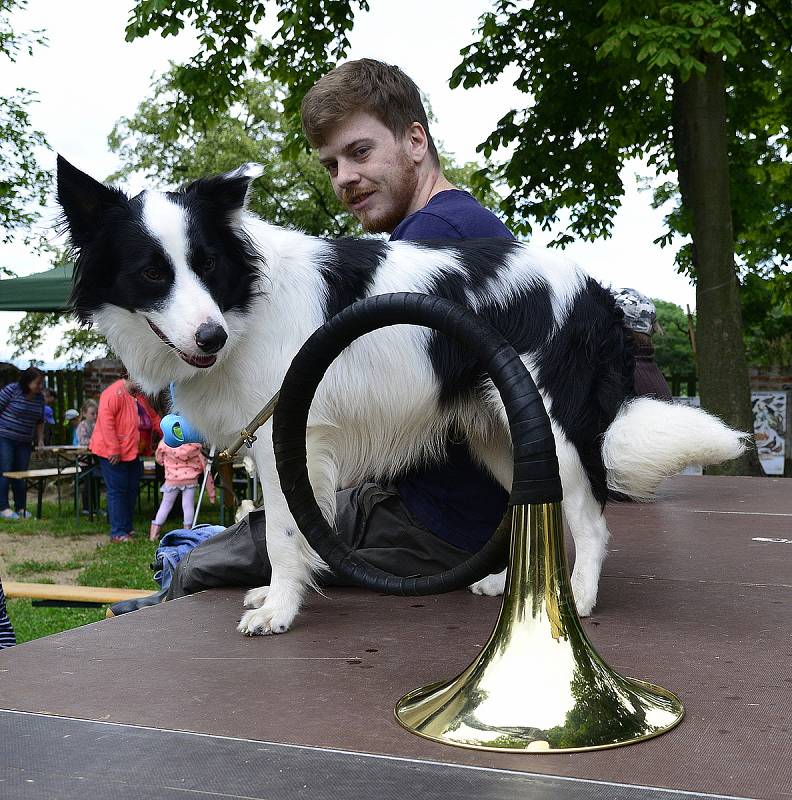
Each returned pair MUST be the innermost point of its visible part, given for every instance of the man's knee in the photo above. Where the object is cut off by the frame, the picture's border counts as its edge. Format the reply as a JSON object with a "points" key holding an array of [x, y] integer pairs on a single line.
{"points": [[229, 559]]}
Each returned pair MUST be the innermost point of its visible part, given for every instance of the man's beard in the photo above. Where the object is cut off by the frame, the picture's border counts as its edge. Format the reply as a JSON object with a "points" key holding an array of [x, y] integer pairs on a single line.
{"points": [[400, 188]]}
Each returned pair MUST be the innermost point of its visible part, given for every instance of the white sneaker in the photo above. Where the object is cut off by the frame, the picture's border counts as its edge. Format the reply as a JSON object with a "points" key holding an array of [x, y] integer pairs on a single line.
{"points": [[24, 514], [7, 513]]}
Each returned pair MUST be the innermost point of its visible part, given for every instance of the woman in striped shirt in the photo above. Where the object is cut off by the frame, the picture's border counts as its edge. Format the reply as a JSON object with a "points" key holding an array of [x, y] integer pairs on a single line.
{"points": [[21, 417]]}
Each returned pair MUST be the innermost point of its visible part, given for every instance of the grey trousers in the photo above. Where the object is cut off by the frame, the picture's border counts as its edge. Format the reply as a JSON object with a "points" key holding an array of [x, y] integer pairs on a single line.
{"points": [[371, 518]]}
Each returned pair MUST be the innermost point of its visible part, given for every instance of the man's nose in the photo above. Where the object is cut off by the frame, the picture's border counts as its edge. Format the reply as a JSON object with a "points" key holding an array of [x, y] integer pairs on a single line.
{"points": [[210, 337], [347, 175]]}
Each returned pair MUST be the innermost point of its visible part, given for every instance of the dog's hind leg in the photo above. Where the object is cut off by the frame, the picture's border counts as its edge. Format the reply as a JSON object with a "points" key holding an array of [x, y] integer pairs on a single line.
{"points": [[587, 524], [582, 512], [292, 560]]}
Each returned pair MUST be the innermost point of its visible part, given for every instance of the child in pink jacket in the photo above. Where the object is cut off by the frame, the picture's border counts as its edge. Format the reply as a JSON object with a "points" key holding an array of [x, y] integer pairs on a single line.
{"points": [[184, 467]]}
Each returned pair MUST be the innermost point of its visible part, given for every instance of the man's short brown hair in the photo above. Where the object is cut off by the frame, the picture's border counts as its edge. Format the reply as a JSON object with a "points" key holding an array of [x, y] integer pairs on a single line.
{"points": [[381, 90]]}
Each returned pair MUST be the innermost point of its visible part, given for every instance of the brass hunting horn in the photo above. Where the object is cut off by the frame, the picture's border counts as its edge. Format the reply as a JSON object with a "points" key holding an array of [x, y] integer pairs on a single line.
{"points": [[538, 685]]}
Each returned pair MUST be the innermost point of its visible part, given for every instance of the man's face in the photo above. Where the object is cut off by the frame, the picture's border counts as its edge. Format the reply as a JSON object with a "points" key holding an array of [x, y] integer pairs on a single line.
{"points": [[374, 174]]}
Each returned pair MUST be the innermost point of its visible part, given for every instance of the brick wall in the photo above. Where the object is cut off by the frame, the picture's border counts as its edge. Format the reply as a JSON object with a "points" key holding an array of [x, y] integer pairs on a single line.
{"points": [[99, 374]]}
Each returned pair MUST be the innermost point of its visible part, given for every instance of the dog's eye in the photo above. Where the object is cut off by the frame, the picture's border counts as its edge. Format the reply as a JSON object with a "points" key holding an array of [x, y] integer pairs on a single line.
{"points": [[153, 274], [209, 264]]}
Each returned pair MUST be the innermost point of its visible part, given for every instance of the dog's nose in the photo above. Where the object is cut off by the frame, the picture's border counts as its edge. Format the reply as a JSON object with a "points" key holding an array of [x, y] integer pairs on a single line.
{"points": [[210, 337]]}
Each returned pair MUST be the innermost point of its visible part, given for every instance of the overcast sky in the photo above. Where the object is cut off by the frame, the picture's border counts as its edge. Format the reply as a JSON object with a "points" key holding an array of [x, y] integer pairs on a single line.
{"points": [[88, 77]]}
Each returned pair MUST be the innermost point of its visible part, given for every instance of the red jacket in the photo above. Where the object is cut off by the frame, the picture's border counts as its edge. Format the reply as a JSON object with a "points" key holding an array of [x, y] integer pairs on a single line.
{"points": [[116, 431]]}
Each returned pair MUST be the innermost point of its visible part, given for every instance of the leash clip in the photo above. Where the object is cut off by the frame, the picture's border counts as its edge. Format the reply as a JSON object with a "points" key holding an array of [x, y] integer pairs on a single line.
{"points": [[247, 438]]}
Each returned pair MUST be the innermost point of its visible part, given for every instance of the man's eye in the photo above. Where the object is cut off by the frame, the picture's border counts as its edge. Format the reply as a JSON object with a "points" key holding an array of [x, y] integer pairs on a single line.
{"points": [[332, 168], [153, 274], [362, 152]]}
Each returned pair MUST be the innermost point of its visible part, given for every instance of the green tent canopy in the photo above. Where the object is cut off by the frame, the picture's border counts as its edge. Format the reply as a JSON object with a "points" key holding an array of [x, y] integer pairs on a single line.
{"points": [[42, 291]]}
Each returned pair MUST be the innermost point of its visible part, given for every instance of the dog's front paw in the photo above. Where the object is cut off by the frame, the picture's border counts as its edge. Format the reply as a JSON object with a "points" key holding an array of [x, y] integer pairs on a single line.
{"points": [[491, 586], [255, 598], [272, 617], [584, 588]]}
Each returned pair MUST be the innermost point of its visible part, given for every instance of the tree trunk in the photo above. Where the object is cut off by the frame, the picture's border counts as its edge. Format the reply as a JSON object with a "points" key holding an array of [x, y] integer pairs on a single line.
{"points": [[702, 160]]}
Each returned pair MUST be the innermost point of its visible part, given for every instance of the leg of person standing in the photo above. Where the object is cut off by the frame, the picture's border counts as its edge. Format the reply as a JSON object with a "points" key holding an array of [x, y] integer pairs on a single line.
{"points": [[188, 506], [22, 452], [6, 465], [134, 472], [161, 517], [115, 478]]}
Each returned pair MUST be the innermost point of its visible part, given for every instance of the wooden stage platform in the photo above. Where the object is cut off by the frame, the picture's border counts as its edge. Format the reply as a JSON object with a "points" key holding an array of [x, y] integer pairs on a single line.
{"points": [[171, 702]]}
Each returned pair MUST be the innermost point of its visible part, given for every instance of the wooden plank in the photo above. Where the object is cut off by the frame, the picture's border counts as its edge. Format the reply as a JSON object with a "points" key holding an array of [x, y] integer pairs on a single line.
{"points": [[89, 594], [50, 472]]}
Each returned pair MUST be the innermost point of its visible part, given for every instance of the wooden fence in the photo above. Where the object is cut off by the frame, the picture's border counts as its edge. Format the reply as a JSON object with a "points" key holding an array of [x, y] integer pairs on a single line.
{"points": [[683, 385], [68, 385]]}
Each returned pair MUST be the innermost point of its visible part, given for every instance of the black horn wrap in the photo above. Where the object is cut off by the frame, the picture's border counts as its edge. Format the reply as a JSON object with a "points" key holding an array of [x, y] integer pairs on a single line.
{"points": [[536, 478]]}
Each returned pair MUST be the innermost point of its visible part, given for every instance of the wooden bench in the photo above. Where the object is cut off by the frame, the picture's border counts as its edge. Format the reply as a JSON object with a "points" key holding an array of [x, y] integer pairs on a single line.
{"points": [[40, 477], [65, 594]]}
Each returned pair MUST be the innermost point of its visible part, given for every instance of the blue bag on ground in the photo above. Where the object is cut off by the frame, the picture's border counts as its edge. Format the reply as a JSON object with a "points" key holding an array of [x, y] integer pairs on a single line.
{"points": [[174, 545]]}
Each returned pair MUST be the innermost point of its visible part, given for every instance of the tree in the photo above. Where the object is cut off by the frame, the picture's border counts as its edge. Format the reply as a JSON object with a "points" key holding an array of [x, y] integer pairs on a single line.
{"points": [[76, 346], [23, 184], [171, 151], [693, 87], [767, 314], [673, 351]]}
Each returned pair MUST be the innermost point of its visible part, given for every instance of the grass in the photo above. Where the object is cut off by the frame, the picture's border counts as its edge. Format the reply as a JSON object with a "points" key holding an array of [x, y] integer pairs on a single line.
{"points": [[56, 522], [123, 565], [33, 622], [30, 567]]}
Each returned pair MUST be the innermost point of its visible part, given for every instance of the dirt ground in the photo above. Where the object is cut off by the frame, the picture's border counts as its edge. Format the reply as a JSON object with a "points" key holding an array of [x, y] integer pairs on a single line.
{"points": [[16, 548]]}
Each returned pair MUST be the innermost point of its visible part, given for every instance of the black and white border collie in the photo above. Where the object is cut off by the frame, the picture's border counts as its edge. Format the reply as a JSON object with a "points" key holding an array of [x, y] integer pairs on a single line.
{"points": [[189, 287]]}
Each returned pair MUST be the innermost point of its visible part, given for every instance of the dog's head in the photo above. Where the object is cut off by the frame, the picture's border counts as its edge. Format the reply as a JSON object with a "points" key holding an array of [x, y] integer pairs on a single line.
{"points": [[161, 272]]}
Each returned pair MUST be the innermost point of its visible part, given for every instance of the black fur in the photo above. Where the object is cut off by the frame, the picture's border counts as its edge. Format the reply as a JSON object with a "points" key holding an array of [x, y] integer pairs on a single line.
{"points": [[585, 367], [235, 263], [117, 263], [348, 268]]}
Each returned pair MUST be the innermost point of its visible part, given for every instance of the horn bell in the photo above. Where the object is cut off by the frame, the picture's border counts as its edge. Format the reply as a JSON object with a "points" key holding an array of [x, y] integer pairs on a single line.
{"points": [[538, 685]]}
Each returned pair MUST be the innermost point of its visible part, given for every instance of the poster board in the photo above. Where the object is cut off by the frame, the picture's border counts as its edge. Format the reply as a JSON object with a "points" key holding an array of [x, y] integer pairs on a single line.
{"points": [[770, 425]]}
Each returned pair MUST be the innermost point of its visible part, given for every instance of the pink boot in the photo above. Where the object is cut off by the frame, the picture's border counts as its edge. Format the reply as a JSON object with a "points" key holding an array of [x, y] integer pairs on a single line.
{"points": [[154, 532]]}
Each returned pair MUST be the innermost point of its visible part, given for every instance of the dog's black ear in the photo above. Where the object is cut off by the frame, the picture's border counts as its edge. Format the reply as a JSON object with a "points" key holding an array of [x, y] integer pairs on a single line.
{"points": [[84, 201], [230, 190]]}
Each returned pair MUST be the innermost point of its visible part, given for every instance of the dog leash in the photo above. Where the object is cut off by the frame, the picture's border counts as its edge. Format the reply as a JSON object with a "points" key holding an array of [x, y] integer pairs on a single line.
{"points": [[246, 436]]}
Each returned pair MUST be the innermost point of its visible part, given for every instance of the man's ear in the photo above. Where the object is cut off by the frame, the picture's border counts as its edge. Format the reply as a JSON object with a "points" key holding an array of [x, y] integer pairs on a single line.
{"points": [[418, 142], [229, 191], [84, 201]]}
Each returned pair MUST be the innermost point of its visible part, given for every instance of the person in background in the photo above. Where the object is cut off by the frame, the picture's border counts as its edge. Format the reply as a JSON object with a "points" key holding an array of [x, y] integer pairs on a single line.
{"points": [[184, 468], [71, 418], [82, 438], [87, 423], [640, 317], [116, 440], [50, 399], [21, 423]]}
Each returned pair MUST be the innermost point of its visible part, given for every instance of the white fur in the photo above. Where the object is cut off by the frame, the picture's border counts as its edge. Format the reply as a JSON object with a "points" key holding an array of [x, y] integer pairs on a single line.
{"points": [[651, 440], [376, 411]]}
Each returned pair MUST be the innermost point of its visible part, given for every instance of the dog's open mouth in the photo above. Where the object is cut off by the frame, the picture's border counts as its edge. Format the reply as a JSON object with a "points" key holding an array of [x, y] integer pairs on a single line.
{"points": [[202, 362]]}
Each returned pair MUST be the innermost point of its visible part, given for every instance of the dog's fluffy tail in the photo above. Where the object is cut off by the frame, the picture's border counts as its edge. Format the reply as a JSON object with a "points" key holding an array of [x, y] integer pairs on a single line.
{"points": [[651, 440]]}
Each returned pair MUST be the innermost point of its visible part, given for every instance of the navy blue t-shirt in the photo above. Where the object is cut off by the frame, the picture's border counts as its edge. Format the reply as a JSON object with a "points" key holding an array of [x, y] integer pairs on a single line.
{"points": [[457, 500]]}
